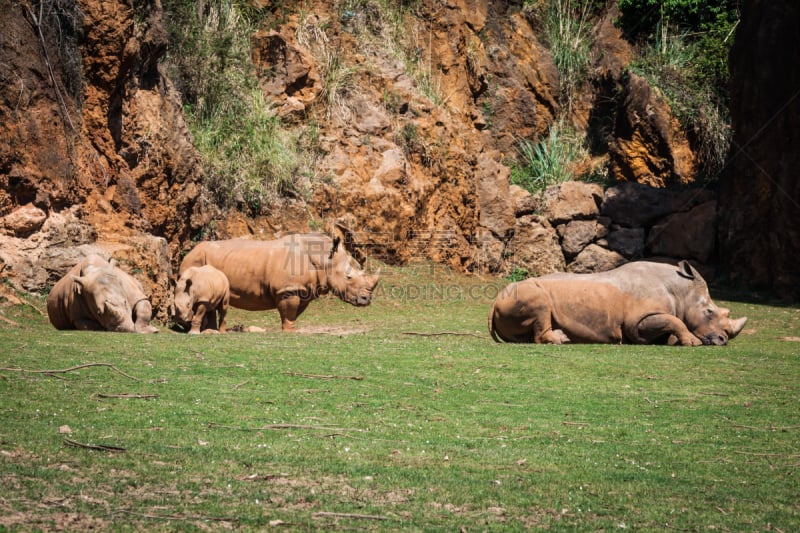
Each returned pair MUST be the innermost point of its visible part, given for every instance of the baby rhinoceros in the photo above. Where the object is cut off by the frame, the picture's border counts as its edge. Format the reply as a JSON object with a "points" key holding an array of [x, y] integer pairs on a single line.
{"points": [[200, 294]]}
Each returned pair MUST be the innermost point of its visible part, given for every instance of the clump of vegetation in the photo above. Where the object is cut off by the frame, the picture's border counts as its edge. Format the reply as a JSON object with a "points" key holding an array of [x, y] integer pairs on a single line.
{"points": [[549, 161], [250, 160], [684, 47], [567, 29], [381, 24], [518, 274]]}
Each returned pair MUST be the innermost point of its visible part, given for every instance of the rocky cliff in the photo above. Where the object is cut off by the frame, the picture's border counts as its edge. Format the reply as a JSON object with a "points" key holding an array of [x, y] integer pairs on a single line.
{"points": [[759, 231], [95, 153], [94, 149]]}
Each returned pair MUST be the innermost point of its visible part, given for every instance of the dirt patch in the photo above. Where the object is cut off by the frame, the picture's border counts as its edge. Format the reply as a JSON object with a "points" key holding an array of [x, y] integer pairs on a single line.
{"points": [[55, 522], [330, 330]]}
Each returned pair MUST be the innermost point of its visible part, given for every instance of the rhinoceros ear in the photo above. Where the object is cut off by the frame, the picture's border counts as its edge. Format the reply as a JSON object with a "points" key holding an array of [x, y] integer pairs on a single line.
{"points": [[79, 286], [336, 241], [686, 270]]}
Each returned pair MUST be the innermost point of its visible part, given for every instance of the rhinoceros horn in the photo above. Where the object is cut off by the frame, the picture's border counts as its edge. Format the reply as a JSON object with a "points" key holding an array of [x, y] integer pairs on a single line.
{"points": [[736, 327]]}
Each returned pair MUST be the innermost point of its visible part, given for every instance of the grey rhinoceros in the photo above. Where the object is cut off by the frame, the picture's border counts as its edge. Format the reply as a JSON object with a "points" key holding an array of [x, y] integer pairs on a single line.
{"points": [[97, 295], [287, 273], [637, 303], [201, 294]]}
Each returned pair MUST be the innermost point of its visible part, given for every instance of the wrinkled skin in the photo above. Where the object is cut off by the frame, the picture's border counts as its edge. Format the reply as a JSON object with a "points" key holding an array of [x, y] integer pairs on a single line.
{"points": [[578, 308], [680, 289], [95, 295], [287, 273], [201, 294]]}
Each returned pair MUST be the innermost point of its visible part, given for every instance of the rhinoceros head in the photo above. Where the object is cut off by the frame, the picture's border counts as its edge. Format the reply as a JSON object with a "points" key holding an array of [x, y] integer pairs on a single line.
{"points": [[184, 302], [710, 323], [346, 278], [104, 295]]}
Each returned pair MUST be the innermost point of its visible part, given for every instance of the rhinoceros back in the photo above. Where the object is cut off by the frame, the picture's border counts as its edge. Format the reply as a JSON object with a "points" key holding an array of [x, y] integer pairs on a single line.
{"points": [[256, 270]]}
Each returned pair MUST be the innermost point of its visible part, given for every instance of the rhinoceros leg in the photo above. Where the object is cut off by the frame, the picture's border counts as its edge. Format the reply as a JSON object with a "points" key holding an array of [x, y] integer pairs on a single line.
{"points": [[223, 311], [200, 318], [290, 306], [142, 312], [656, 326]]}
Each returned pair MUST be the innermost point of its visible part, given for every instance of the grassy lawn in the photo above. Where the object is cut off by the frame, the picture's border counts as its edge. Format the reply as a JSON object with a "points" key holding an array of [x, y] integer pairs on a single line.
{"points": [[361, 421]]}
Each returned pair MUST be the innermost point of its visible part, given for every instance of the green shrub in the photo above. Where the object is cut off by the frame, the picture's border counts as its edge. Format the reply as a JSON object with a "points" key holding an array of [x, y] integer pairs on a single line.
{"points": [[671, 63], [567, 29], [550, 161], [518, 274], [249, 158], [709, 25]]}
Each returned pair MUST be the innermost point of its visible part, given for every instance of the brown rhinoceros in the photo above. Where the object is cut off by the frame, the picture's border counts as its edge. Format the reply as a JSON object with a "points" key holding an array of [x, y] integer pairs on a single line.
{"points": [[96, 295], [200, 294], [586, 308], [287, 273]]}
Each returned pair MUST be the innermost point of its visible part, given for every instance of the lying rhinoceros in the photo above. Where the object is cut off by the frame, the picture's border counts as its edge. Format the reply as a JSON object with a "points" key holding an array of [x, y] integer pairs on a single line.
{"points": [[97, 295], [200, 294], [643, 303], [287, 273]]}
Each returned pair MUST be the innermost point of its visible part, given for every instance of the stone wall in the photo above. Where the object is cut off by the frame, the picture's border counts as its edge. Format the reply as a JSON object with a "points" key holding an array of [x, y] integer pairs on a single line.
{"points": [[580, 227]]}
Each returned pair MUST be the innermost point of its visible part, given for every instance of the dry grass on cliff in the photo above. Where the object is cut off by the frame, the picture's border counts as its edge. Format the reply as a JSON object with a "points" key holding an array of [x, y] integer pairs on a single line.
{"points": [[414, 420]]}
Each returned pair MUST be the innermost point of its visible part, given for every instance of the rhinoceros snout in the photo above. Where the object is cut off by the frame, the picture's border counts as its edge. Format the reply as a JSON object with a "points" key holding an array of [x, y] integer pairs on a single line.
{"points": [[363, 299], [714, 339]]}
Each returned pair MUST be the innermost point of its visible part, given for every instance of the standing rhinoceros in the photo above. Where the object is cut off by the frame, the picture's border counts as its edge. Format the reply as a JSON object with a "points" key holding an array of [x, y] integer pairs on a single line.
{"points": [[673, 306], [200, 294], [96, 295], [287, 273]]}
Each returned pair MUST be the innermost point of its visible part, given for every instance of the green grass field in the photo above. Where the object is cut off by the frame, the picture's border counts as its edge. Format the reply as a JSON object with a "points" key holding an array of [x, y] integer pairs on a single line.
{"points": [[400, 416]]}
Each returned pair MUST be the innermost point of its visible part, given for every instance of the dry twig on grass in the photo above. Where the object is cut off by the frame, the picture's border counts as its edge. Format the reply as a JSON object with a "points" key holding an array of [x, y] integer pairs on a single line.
{"points": [[324, 514], [440, 333], [127, 396], [323, 376], [98, 447], [71, 369], [284, 426]]}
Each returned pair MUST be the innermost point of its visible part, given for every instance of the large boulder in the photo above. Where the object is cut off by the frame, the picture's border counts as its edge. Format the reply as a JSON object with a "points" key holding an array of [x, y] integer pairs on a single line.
{"points": [[634, 205], [571, 200], [686, 235], [534, 247], [595, 258], [649, 145]]}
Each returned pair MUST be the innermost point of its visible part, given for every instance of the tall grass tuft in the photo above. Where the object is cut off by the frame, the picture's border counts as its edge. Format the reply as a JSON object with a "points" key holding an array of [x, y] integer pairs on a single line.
{"points": [[550, 161], [567, 30], [249, 158]]}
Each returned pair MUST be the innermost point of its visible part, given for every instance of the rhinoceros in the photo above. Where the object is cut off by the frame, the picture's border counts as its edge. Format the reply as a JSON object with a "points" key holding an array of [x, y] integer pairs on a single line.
{"points": [[200, 295], [287, 273], [96, 295], [608, 308]]}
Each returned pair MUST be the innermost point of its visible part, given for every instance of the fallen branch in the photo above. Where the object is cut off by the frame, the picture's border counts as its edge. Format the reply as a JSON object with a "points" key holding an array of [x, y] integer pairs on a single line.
{"points": [[783, 455], [71, 369], [99, 447], [175, 517], [578, 424], [323, 376], [440, 333], [324, 514], [284, 426], [128, 396], [767, 428]]}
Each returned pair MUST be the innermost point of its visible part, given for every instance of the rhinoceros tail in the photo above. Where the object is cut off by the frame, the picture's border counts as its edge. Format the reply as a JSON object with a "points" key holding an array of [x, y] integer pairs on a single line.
{"points": [[492, 331]]}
